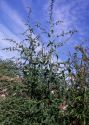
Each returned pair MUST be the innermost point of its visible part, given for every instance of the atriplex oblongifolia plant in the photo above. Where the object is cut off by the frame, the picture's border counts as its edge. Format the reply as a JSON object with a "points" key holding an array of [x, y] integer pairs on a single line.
{"points": [[43, 73]]}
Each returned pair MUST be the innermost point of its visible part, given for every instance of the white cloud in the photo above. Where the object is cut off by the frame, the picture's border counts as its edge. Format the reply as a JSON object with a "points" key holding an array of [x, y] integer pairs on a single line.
{"points": [[12, 14], [6, 33]]}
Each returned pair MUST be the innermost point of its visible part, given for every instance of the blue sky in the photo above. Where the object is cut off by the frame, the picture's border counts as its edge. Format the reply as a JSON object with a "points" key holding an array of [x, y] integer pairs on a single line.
{"points": [[13, 16]]}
